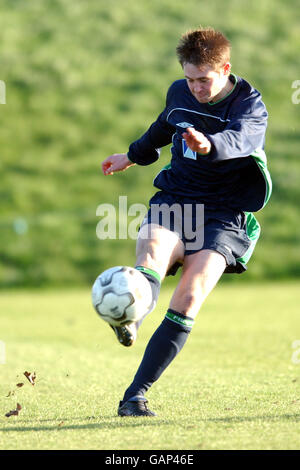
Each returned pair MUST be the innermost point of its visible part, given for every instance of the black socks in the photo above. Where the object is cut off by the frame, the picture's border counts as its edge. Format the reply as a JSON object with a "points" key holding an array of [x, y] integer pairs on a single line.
{"points": [[166, 342]]}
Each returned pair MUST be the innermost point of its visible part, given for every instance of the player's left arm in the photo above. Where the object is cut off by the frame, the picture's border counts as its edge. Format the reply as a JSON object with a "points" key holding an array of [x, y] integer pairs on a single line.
{"points": [[244, 133]]}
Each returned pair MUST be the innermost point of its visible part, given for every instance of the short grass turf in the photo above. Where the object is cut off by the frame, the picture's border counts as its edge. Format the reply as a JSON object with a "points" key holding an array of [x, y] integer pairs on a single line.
{"points": [[235, 385]]}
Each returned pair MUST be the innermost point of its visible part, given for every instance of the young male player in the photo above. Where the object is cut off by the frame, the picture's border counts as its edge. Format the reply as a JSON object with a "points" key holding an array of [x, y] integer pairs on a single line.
{"points": [[216, 122]]}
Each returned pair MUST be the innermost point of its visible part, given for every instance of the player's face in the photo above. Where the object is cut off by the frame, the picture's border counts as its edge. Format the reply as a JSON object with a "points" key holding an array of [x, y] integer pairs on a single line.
{"points": [[206, 83]]}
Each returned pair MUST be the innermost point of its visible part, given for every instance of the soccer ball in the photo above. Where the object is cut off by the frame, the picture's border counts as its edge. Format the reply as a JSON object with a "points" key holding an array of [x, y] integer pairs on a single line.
{"points": [[121, 295]]}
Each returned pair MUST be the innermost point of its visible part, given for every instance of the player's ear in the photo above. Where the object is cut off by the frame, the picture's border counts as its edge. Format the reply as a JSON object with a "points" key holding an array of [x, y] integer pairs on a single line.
{"points": [[227, 68]]}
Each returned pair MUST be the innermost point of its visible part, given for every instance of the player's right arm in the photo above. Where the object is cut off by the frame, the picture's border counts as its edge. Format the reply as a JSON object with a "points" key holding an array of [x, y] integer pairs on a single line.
{"points": [[146, 149], [116, 162]]}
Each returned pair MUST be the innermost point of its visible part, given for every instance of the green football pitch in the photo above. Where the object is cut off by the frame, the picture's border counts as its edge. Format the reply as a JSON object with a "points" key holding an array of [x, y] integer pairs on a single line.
{"points": [[235, 385]]}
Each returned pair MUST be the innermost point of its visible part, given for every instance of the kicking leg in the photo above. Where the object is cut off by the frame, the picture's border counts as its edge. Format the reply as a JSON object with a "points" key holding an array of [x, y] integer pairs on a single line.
{"points": [[157, 249]]}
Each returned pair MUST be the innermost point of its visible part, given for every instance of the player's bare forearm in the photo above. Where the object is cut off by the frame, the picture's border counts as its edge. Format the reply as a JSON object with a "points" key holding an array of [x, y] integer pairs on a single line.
{"points": [[116, 162], [197, 141]]}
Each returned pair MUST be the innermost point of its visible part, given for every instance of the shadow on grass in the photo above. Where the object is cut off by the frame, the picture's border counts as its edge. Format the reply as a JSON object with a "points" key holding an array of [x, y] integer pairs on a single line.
{"points": [[117, 422], [241, 419], [114, 422]]}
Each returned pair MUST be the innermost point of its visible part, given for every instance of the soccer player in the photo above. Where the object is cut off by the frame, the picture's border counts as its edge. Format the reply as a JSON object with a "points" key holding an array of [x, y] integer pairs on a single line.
{"points": [[216, 122]]}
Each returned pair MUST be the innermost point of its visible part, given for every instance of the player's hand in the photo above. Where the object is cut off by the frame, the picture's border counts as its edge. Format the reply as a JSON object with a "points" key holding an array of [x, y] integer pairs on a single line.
{"points": [[196, 141], [116, 162]]}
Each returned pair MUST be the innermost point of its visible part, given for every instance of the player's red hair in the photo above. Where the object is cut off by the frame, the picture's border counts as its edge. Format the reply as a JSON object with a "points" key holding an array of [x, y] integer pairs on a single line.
{"points": [[203, 46]]}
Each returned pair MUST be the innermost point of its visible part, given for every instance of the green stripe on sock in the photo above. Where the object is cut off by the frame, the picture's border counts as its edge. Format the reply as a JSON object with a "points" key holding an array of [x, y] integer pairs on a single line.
{"points": [[189, 322], [149, 271]]}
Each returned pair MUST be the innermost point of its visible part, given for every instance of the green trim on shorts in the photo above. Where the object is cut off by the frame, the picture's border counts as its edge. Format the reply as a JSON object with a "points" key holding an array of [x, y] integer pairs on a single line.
{"points": [[149, 271], [253, 232], [260, 159], [166, 167]]}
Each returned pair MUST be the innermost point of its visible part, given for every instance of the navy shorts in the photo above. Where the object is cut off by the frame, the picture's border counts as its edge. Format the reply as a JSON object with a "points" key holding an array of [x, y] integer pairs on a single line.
{"points": [[229, 232]]}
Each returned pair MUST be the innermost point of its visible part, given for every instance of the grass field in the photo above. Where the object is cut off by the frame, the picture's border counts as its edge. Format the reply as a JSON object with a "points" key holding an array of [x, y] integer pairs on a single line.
{"points": [[235, 385], [83, 80]]}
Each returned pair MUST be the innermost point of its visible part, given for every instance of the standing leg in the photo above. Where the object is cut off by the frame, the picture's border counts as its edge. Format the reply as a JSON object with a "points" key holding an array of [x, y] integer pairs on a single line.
{"points": [[201, 272]]}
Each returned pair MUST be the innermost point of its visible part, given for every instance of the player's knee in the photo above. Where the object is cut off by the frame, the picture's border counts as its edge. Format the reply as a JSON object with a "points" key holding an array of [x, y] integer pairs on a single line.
{"points": [[149, 255], [189, 296], [190, 303], [147, 248]]}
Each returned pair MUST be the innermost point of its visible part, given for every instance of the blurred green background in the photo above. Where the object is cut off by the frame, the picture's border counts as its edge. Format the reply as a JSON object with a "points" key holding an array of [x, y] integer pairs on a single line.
{"points": [[85, 78]]}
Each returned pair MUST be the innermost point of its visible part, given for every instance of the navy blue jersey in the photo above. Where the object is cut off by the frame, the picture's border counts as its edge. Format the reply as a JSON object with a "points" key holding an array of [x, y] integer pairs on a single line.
{"points": [[234, 174]]}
